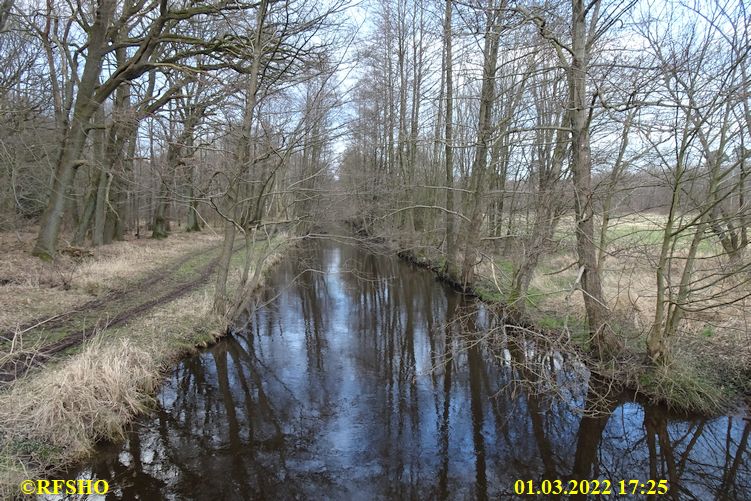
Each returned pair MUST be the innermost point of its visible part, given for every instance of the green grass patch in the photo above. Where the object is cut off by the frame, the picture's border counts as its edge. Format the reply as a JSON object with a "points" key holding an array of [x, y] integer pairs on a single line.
{"points": [[684, 386], [708, 331], [31, 448], [576, 327], [505, 267], [487, 291], [628, 235], [193, 267]]}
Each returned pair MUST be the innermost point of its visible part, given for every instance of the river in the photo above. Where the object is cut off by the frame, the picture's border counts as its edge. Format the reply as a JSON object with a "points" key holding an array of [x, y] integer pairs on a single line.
{"points": [[362, 377]]}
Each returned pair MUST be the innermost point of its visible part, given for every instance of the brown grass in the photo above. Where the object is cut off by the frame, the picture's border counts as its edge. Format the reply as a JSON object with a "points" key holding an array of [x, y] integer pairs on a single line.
{"points": [[67, 408], [56, 415], [720, 335], [116, 265], [31, 288], [87, 397]]}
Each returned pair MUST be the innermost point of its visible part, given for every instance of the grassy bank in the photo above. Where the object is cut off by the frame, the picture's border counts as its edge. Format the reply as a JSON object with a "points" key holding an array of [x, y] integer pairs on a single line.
{"points": [[34, 289], [91, 391], [710, 365]]}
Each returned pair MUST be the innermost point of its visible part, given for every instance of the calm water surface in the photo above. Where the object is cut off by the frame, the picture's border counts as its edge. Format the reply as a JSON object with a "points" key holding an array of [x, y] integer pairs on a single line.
{"points": [[364, 378]]}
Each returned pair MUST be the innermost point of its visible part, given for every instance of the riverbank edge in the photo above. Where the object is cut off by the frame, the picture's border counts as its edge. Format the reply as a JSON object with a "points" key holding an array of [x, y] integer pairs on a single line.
{"points": [[683, 389], [77, 385]]}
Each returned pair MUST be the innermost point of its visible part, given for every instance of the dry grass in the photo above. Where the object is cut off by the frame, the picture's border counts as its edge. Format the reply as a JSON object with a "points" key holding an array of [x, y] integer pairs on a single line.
{"points": [[118, 264], [19, 354], [629, 280], [87, 397], [629, 285], [67, 408], [682, 385], [174, 328], [56, 415], [31, 288], [19, 305], [716, 340]]}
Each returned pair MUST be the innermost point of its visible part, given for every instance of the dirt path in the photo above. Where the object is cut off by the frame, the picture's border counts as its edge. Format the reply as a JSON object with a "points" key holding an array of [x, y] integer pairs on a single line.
{"points": [[114, 308], [58, 321]]}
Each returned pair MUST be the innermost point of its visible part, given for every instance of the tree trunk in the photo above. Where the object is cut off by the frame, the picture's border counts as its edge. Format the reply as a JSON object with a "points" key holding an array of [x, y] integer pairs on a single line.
{"points": [[485, 130], [581, 169], [194, 223], [225, 258], [450, 267], [88, 210], [159, 227], [243, 161], [73, 142], [100, 208]]}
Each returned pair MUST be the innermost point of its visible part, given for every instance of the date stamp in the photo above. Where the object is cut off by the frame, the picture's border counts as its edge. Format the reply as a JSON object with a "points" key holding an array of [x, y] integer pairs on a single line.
{"points": [[594, 487]]}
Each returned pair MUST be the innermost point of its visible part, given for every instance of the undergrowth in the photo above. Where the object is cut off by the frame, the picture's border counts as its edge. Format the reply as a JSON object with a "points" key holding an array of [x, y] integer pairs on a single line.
{"points": [[56, 415], [693, 380], [684, 386]]}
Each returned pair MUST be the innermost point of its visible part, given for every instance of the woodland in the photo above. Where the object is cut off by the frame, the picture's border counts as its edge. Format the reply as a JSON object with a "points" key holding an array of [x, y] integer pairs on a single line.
{"points": [[582, 162]]}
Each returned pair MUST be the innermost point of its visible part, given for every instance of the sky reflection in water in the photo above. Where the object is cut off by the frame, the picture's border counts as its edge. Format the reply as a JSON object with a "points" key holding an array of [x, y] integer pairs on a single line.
{"points": [[332, 391]]}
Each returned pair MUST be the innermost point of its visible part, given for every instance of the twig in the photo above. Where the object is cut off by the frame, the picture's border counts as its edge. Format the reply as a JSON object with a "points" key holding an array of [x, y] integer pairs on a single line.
{"points": [[43, 322]]}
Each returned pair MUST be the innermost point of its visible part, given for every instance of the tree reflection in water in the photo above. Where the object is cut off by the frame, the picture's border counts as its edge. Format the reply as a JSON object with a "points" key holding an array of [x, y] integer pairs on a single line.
{"points": [[368, 379]]}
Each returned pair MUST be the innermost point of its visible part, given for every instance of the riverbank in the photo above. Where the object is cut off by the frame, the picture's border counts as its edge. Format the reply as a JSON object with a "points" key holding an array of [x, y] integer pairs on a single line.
{"points": [[363, 377], [708, 374], [96, 330]]}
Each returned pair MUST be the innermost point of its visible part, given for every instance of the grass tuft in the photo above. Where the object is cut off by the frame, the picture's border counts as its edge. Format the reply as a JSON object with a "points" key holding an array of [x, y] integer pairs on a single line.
{"points": [[62, 412], [88, 396], [683, 386]]}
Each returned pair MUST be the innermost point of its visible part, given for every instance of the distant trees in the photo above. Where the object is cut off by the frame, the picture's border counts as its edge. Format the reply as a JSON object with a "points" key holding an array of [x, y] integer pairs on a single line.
{"points": [[511, 94], [112, 67], [27, 135], [697, 133], [284, 52]]}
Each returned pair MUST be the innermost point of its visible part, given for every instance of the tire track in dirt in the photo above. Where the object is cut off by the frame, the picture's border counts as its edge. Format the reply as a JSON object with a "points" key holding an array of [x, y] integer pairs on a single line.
{"points": [[114, 295], [14, 369]]}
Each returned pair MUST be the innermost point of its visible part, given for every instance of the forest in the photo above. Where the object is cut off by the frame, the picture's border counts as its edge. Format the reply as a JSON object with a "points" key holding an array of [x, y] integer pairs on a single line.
{"points": [[578, 166]]}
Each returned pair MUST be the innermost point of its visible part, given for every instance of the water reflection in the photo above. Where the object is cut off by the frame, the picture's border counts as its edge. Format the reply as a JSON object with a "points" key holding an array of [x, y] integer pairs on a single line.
{"points": [[363, 379]]}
